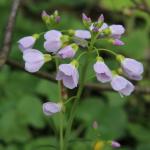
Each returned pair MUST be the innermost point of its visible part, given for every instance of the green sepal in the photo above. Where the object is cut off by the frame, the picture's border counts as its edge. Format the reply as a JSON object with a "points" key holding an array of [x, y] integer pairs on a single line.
{"points": [[47, 57]]}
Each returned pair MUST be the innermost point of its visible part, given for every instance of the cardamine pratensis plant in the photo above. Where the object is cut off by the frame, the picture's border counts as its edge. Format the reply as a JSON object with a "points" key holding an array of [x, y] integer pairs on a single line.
{"points": [[74, 45]]}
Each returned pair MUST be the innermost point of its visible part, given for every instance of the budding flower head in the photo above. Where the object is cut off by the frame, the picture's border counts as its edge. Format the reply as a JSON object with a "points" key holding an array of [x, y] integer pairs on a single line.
{"points": [[86, 20], [115, 144], [50, 108], [45, 17], [101, 18]]}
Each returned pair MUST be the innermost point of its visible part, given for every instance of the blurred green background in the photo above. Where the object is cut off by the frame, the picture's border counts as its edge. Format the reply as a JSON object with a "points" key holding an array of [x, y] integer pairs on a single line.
{"points": [[23, 126]]}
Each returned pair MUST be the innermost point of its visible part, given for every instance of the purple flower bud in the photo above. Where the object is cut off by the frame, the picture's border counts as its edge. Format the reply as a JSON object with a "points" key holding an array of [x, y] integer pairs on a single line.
{"points": [[83, 34], [117, 42], [132, 68], [95, 125], [122, 85], [68, 73], [44, 14], [34, 60], [103, 73], [57, 19], [67, 52], [53, 41], [101, 18], [116, 30], [26, 42], [52, 35], [85, 18], [51, 108], [115, 144]]}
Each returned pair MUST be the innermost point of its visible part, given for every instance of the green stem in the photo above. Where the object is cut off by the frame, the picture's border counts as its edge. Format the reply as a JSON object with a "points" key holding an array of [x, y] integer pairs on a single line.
{"points": [[106, 50], [79, 92], [61, 113]]}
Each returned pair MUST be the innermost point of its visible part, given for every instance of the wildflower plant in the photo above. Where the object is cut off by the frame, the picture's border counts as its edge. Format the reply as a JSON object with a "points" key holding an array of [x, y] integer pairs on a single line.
{"points": [[73, 45]]}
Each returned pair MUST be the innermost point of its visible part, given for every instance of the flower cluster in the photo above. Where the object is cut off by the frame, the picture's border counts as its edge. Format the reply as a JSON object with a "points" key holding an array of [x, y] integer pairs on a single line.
{"points": [[66, 44]]}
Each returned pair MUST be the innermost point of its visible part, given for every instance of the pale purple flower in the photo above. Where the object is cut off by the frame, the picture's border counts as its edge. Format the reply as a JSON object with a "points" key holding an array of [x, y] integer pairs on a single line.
{"points": [[52, 35], [34, 60], [68, 73], [83, 34], [132, 68], [52, 45], [103, 73], [115, 144], [50, 108], [122, 85], [103, 27], [116, 31], [67, 52], [117, 42], [26, 42], [53, 41]]}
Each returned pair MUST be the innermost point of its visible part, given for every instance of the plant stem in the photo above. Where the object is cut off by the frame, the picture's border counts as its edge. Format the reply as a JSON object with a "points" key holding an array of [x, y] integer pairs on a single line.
{"points": [[79, 92], [61, 113]]}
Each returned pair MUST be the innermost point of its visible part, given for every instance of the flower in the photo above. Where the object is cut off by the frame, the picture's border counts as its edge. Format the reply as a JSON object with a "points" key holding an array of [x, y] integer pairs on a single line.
{"points": [[68, 73], [52, 35], [53, 41], [122, 85], [101, 18], [117, 42], [68, 51], [116, 31], [99, 145], [103, 73], [34, 60], [103, 27], [50, 108], [26, 42], [95, 125], [132, 68], [83, 34], [115, 144]]}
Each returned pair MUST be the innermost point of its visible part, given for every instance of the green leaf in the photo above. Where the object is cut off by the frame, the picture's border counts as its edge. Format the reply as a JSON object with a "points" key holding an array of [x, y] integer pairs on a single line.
{"points": [[139, 132], [30, 111], [11, 129], [48, 89]]}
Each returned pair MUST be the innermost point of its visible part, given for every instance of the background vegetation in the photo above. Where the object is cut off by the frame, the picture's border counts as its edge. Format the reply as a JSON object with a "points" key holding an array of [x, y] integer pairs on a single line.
{"points": [[23, 126]]}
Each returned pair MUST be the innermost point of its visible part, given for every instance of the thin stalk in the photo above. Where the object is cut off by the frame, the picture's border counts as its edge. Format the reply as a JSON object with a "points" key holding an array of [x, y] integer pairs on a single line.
{"points": [[79, 92], [61, 113], [106, 50]]}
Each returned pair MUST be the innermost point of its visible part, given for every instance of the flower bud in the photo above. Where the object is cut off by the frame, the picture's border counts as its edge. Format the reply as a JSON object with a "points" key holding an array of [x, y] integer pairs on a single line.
{"points": [[115, 144], [45, 17]]}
